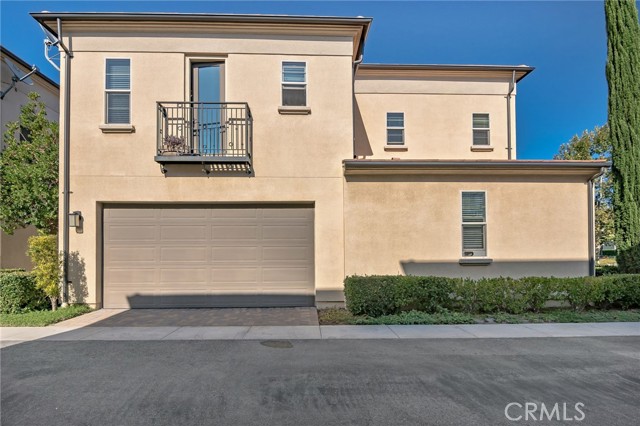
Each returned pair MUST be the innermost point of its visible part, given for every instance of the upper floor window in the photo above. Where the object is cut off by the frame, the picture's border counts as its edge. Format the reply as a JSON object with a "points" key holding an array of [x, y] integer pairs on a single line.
{"points": [[395, 128], [474, 224], [118, 91], [25, 134], [481, 129], [294, 84]]}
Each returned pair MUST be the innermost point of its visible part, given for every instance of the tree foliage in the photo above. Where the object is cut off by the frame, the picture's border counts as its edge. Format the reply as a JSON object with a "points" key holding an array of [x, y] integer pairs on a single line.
{"points": [[595, 145], [623, 77], [29, 171], [43, 251]]}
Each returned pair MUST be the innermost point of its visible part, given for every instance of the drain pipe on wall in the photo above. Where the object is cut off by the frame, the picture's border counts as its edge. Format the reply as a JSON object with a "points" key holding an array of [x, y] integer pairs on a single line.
{"points": [[512, 86], [66, 171], [353, 101], [592, 222]]}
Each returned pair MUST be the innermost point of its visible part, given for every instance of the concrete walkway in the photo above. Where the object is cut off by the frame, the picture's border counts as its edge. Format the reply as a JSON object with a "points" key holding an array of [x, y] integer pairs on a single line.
{"points": [[14, 335]]}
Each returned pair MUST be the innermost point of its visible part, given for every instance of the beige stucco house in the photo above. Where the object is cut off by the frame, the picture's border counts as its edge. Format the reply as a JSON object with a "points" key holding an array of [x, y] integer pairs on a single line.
{"points": [[254, 160], [13, 247]]}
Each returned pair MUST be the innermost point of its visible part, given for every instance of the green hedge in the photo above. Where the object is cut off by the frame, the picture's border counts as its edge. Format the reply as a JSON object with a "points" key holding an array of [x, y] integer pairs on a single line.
{"points": [[18, 293], [389, 294], [10, 270]]}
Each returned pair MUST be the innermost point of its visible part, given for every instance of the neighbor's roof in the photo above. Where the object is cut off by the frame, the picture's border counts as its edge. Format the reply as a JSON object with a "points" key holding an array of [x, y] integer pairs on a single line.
{"points": [[15, 58], [521, 71], [47, 18]]}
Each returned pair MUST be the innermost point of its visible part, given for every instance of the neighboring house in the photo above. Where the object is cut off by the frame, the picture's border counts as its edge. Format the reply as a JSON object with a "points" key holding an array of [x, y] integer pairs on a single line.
{"points": [[251, 160], [13, 248]]}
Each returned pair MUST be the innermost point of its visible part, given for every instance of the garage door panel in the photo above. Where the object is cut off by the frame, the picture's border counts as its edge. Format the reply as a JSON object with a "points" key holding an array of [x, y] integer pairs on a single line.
{"points": [[130, 254], [235, 254], [286, 254], [208, 257], [131, 233], [183, 254], [173, 276], [127, 276], [235, 232], [184, 214], [285, 274], [183, 232], [115, 214], [281, 232], [287, 213], [245, 275], [232, 213]]}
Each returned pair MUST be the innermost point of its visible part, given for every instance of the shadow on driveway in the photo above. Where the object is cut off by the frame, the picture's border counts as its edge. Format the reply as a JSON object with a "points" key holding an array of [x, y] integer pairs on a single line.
{"points": [[201, 317]]}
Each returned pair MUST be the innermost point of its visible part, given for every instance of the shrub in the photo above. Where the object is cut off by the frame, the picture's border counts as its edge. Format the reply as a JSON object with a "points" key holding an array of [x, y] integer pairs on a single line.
{"points": [[582, 292], [607, 270], [19, 293], [10, 270], [493, 294], [621, 291], [465, 295], [536, 291], [390, 295], [373, 295], [426, 294], [44, 255]]}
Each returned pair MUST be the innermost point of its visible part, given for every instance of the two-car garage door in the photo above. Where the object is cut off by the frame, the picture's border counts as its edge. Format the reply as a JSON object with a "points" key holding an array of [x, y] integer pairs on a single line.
{"points": [[207, 256]]}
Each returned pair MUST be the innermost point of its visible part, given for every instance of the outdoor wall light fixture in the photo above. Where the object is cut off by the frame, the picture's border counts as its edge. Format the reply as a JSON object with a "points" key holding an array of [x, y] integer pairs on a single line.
{"points": [[75, 219]]}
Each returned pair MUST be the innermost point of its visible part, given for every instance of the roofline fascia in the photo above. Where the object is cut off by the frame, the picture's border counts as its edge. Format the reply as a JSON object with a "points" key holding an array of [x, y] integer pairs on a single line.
{"points": [[448, 67], [589, 169], [363, 22], [22, 62], [190, 17]]}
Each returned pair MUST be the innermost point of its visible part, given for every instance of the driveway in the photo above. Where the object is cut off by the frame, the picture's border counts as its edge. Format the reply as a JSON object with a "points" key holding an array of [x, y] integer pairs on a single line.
{"points": [[196, 317], [316, 382]]}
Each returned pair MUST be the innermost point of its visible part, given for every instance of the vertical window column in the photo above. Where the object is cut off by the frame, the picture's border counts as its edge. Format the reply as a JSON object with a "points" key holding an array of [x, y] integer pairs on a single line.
{"points": [[395, 128], [481, 130], [118, 91], [294, 84], [474, 224]]}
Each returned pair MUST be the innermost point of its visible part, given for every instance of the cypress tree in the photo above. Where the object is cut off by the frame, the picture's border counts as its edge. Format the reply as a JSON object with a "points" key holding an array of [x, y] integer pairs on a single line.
{"points": [[623, 77]]}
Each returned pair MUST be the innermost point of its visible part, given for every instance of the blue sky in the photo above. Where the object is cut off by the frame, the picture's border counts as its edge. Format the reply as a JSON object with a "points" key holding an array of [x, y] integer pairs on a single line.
{"points": [[565, 41]]}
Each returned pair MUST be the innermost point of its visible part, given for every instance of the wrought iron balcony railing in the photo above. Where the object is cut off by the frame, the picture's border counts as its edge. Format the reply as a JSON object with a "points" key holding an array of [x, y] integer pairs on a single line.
{"points": [[204, 132]]}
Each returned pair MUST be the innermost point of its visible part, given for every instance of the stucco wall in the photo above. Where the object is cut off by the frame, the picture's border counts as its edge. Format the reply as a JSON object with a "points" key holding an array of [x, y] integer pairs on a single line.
{"points": [[438, 117], [535, 225], [296, 158]]}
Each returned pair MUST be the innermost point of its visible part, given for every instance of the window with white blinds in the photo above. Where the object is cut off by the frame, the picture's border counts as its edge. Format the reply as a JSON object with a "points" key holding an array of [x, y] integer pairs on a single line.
{"points": [[481, 129], [395, 128], [474, 224], [118, 91], [294, 84]]}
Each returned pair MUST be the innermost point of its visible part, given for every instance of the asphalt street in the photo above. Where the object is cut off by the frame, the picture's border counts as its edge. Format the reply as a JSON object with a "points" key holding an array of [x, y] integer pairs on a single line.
{"points": [[312, 382]]}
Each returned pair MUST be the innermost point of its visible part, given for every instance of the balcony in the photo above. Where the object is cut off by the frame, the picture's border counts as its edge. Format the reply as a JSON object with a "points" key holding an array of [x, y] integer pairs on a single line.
{"points": [[217, 133]]}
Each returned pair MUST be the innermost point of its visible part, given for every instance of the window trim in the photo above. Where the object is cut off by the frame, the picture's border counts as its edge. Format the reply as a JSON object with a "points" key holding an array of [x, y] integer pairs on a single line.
{"points": [[106, 91], [395, 144], [475, 252], [294, 83], [484, 129], [188, 69]]}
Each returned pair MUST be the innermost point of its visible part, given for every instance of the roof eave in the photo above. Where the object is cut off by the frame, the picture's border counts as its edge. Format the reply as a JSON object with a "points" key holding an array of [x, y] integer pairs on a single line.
{"points": [[363, 23], [522, 70], [587, 169]]}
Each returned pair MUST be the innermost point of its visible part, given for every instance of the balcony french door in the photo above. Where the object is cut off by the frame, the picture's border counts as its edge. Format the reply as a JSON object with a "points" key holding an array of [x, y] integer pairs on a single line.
{"points": [[209, 124]]}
